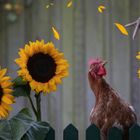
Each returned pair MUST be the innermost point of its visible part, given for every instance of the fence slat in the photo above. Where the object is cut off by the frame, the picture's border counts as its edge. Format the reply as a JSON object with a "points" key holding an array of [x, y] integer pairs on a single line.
{"points": [[50, 135], [92, 132], [70, 133], [134, 132], [115, 134]]}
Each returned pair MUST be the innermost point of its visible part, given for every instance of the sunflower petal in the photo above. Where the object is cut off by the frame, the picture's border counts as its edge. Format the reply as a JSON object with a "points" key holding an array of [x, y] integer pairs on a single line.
{"points": [[121, 28], [69, 4], [138, 56], [6, 106], [56, 34], [6, 78], [6, 84], [101, 8], [7, 100], [47, 6]]}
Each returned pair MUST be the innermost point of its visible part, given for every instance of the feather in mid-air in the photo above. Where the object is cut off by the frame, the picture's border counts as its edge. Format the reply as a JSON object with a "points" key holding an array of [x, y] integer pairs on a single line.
{"points": [[136, 24], [110, 109]]}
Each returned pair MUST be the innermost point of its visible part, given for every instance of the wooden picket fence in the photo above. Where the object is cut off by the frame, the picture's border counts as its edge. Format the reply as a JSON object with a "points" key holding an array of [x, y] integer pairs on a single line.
{"points": [[93, 133]]}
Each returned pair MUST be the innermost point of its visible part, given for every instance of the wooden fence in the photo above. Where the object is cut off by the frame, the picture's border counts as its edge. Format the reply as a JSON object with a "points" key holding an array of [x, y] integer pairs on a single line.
{"points": [[93, 133]]}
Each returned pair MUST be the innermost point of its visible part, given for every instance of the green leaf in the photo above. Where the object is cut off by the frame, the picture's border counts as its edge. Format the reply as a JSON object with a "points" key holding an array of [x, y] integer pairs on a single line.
{"points": [[23, 90], [19, 81], [22, 127], [33, 134]]}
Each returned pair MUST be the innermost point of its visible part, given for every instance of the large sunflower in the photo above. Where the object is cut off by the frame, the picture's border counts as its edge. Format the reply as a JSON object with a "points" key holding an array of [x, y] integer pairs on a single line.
{"points": [[42, 65], [6, 99]]}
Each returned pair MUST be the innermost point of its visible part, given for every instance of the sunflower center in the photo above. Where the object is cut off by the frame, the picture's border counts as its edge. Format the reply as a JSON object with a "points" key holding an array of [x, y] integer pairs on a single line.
{"points": [[41, 67], [1, 93]]}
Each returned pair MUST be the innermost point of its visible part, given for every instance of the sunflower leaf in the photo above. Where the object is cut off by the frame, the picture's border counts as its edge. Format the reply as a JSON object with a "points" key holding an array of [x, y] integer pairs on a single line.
{"points": [[22, 90], [19, 81], [22, 127]]}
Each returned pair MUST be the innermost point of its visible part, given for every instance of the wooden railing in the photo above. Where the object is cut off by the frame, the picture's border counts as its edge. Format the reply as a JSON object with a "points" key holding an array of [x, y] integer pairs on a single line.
{"points": [[93, 133]]}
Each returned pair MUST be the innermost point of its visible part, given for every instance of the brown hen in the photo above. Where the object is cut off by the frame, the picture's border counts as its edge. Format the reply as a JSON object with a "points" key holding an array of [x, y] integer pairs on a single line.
{"points": [[109, 110]]}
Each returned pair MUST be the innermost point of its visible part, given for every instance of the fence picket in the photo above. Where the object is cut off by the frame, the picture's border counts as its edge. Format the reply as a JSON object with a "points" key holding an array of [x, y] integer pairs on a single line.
{"points": [[134, 132], [92, 132], [115, 134], [50, 135], [70, 133]]}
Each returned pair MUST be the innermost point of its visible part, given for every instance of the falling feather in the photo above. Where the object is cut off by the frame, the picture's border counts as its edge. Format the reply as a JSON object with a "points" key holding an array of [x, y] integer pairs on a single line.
{"points": [[101, 8], [69, 4], [56, 34], [121, 28]]}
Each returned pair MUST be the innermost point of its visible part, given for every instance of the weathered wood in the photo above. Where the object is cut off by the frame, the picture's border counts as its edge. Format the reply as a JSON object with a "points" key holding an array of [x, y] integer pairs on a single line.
{"points": [[50, 135], [92, 132], [134, 132], [70, 133], [115, 134]]}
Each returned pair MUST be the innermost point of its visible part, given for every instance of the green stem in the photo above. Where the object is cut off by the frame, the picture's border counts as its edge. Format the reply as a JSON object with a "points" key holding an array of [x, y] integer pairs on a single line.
{"points": [[32, 105], [38, 106]]}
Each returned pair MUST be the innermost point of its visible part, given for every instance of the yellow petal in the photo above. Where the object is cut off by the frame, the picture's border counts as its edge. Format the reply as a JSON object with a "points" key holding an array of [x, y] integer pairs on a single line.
{"points": [[56, 34], [7, 91], [6, 84], [6, 100], [57, 80], [121, 28], [51, 4], [47, 6], [6, 106], [69, 4], [138, 56], [2, 114], [5, 112], [6, 78], [101, 8]]}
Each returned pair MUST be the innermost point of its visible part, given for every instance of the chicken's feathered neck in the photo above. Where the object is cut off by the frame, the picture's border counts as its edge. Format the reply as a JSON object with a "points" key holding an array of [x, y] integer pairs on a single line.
{"points": [[99, 86]]}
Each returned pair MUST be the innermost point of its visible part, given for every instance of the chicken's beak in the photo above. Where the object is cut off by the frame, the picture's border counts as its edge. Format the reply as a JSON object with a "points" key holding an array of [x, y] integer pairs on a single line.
{"points": [[104, 63]]}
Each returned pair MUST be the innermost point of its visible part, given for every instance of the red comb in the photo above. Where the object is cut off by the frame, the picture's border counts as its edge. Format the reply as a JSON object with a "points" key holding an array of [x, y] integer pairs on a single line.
{"points": [[94, 60]]}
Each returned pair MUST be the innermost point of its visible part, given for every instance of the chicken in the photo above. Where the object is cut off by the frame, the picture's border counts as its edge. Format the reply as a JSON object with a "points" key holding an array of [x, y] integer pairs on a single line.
{"points": [[109, 110]]}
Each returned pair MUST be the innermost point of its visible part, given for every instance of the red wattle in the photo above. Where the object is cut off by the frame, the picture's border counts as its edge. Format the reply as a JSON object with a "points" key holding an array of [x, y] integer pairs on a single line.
{"points": [[102, 71]]}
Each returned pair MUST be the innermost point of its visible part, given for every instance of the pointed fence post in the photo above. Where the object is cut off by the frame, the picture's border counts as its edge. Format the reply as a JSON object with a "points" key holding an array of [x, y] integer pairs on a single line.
{"points": [[50, 135], [70, 133], [115, 134], [92, 133], [134, 132]]}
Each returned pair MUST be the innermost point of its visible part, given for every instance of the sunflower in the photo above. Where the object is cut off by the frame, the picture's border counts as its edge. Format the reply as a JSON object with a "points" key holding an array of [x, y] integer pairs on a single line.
{"points": [[6, 99], [42, 65]]}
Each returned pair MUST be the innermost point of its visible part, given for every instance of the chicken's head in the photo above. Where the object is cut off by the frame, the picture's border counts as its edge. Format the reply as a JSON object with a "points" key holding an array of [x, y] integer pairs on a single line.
{"points": [[97, 68]]}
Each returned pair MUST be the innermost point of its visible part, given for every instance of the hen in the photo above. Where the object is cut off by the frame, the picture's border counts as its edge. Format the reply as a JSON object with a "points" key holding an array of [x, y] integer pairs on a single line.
{"points": [[109, 110]]}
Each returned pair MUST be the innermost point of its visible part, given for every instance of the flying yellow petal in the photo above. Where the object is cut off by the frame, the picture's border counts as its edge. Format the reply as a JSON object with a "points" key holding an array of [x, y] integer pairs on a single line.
{"points": [[47, 6], [69, 4], [101, 8], [51, 4], [138, 56], [121, 28], [56, 34]]}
